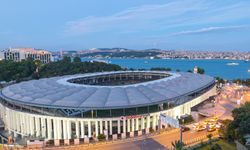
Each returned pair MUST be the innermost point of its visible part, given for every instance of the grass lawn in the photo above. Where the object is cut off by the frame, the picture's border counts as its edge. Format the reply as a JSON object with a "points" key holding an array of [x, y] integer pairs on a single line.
{"points": [[224, 145]]}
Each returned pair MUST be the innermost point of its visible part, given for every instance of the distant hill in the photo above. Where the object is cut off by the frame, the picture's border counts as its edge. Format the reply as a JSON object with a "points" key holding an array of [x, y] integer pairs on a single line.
{"points": [[123, 54]]}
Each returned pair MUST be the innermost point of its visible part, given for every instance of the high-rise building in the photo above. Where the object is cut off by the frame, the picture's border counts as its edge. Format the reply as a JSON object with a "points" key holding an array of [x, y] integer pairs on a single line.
{"points": [[19, 54]]}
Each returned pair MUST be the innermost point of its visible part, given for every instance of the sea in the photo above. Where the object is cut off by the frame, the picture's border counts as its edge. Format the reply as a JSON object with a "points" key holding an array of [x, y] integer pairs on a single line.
{"points": [[226, 69]]}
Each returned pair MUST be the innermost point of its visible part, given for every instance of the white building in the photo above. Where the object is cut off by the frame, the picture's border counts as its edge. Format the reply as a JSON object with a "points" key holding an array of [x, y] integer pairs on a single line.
{"points": [[1, 55], [119, 104], [19, 54]]}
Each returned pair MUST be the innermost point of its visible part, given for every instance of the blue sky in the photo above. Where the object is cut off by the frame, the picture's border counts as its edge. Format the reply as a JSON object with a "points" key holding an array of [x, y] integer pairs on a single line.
{"points": [[137, 24]]}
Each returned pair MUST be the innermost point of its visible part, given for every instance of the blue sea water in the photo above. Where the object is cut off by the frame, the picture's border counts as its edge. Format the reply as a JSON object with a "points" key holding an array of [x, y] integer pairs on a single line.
{"points": [[212, 67]]}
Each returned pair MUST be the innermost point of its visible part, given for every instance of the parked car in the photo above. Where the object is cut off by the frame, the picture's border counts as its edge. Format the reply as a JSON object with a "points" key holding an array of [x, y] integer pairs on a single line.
{"points": [[184, 129], [211, 129]]}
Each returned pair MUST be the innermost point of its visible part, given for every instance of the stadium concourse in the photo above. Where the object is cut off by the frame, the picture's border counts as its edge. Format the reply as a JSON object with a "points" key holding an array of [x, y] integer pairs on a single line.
{"points": [[75, 109]]}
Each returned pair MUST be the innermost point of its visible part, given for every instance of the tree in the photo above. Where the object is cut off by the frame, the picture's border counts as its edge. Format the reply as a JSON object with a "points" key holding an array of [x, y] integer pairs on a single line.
{"points": [[225, 130], [220, 80], [178, 145], [17, 71], [209, 136], [160, 69], [242, 81], [101, 137], [240, 126], [28, 69], [77, 59], [200, 70], [216, 147], [66, 59], [38, 66], [241, 122], [66, 68]]}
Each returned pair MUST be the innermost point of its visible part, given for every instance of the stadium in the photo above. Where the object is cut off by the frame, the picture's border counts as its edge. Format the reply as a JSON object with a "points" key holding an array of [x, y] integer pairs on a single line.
{"points": [[117, 104]]}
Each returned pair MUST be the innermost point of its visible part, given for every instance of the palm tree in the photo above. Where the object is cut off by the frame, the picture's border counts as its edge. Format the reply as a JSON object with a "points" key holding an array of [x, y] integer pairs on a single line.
{"points": [[178, 145]]}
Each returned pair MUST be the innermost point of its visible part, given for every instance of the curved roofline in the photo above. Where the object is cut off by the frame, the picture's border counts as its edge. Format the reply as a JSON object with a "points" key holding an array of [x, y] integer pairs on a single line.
{"points": [[65, 81], [101, 108], [175, 76]]}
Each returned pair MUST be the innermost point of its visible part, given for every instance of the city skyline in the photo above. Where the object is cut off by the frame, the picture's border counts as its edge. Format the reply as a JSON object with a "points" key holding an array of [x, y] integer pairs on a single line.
{"points": [[189, 25]]}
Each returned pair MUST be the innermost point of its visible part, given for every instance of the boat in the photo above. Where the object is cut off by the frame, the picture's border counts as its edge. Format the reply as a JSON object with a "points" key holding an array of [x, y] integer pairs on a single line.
{"points": [[232, 64], [100, 60], [248, 70]]}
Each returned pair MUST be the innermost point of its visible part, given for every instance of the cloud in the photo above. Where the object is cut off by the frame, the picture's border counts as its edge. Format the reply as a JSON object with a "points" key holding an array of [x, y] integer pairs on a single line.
{"points": [[160, 17], [211, 29]]}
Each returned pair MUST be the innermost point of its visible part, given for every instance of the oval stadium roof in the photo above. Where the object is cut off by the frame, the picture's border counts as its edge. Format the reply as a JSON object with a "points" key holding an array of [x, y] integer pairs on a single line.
{"points": [[57, 92]]}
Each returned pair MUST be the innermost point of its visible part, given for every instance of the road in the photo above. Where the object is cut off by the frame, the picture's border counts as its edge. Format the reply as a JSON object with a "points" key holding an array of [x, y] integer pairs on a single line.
{"points": [[156, 142], [229, 107]]}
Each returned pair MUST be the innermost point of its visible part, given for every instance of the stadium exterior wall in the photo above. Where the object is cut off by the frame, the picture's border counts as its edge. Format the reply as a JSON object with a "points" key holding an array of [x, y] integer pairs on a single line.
{"points": [[55, 128]]}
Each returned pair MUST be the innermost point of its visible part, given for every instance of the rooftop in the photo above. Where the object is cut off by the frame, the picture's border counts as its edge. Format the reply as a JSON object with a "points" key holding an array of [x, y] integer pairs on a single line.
{"points": [[59, 92]]}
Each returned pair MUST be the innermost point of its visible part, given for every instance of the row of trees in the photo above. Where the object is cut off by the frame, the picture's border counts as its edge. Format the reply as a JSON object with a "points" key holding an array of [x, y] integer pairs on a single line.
{"points": [[200, 70], [242, 81], [30, 69], [66, 67], [240, 126], [10, 70]]}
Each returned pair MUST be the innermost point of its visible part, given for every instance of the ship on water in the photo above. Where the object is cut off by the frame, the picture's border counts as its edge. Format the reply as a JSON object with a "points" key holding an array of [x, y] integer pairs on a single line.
{"points": [[232, 64], [100, 60]]}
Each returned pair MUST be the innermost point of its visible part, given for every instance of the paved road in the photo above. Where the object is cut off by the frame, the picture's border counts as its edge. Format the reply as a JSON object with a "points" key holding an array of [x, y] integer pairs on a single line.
{"points": [[157, 142], [228, 106]]}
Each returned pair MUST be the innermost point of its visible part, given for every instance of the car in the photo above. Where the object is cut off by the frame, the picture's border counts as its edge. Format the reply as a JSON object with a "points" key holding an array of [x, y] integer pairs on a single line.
{"points": [[184, 129], [211, 129], [218, 126], [200, 128]]}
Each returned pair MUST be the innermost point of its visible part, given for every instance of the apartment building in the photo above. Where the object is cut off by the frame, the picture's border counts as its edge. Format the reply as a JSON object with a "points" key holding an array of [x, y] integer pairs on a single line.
{"points": [[19, 54]]}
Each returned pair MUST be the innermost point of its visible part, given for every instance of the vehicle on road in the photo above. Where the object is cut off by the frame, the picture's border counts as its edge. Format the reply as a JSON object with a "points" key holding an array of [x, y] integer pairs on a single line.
{"points": [[184, 129], [211, 129], [200, 128]]}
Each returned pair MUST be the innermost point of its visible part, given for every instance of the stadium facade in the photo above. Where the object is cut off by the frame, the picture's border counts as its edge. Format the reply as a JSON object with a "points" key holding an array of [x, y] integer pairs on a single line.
{"points": [[118, 104]]}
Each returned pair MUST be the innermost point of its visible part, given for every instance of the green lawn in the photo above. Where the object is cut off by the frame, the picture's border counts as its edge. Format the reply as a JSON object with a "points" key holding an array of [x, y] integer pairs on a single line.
{"points": [[224, 145]]}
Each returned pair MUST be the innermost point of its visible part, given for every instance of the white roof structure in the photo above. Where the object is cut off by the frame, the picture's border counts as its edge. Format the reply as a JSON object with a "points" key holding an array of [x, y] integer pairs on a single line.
{"points": [[57, 92]]}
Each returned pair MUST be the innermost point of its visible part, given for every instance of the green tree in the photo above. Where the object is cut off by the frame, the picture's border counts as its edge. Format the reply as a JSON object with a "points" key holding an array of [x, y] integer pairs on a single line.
{"points": [[240, 126], [225, 130], [160, 69], [241, 122], [17, 71], [220, 80], [66, 59], [216, 147], [200, 70], [77, 59], [178, 145], [28, 69], [101, 137], [38, 67], [209, 136]]}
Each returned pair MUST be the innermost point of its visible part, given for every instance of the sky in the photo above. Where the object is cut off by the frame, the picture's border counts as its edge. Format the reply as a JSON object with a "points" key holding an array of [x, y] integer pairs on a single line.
{"points": [[136, 24]]}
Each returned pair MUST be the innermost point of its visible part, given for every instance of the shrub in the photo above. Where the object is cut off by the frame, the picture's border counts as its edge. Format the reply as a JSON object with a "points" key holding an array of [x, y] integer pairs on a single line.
{"points": [[215, 147], [101, 137]]}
